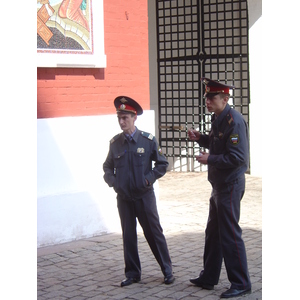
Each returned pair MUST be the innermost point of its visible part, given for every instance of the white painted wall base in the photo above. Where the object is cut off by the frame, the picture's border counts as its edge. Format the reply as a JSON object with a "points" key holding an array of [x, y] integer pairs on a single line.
{"points": [[73, 201]]}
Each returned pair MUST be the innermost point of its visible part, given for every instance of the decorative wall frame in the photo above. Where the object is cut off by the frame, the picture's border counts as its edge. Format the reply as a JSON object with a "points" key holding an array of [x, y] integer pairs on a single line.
{"points": [[70, 34]]}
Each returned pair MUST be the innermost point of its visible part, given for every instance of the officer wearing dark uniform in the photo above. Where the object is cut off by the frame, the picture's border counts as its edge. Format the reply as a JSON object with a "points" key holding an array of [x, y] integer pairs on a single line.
{"points": [[227, 161], [128, 169]]}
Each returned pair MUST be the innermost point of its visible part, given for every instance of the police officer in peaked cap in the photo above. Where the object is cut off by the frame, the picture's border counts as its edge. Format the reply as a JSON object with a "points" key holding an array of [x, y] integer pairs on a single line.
{"points": [[227, 161], [128, 169], [126, 104]]}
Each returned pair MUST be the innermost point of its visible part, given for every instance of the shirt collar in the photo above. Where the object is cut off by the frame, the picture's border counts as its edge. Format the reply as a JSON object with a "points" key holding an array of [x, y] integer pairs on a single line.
{"points": [[132, 136]]}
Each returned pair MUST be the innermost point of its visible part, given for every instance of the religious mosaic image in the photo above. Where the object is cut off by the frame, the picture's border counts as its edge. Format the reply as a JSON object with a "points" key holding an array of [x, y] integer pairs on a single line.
{"points": [[64, 26]]}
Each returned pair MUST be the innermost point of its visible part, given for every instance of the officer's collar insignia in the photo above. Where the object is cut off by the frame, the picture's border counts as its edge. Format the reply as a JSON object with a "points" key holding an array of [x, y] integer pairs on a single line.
{"points": [[123, 100], [234, 139], [140, 150]]}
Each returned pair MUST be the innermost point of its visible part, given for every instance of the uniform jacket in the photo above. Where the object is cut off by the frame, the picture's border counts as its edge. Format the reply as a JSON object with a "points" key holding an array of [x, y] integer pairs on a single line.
{"points": [[129, 163], [228, 145]]}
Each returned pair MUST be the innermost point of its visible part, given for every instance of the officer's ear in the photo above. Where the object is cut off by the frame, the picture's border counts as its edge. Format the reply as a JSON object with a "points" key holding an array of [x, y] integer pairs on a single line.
{"points": [[134, 116], [225, 97]]}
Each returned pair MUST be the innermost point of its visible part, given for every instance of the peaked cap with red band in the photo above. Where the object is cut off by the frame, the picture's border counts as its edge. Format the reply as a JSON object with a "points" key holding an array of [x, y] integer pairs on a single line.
{"points": [[215, 87], [127, 105]]}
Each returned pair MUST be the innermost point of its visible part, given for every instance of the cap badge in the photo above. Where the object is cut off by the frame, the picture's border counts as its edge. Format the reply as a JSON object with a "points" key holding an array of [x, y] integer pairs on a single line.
{"points": [[122, 106], [123, 100]]}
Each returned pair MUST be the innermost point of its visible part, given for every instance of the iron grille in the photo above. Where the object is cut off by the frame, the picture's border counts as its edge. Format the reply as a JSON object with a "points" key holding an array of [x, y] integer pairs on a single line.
{"points": [[195, 39]]}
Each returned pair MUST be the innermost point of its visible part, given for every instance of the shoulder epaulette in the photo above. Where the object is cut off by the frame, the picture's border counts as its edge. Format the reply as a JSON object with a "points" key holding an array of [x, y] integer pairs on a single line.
{"points": [[147, 135], [229, 118], [115, 138]]}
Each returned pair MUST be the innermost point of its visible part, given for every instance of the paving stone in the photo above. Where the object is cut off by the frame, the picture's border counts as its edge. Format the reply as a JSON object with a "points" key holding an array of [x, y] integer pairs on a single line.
{"points": [[94, 268]]}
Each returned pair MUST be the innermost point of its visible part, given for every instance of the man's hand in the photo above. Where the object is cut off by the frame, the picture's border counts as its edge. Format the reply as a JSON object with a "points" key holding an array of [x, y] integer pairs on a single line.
{"points": [[202, 158], [193, 134]]}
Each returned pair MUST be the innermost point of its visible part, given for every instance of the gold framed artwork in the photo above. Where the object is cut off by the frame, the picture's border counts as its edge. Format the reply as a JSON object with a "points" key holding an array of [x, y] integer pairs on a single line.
{"points": [[70, 33]]}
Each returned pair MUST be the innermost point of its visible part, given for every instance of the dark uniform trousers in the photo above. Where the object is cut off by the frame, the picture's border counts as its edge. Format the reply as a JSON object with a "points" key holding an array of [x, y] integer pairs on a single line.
{"points": [[145, 211], [223, 236], [228, 160]]}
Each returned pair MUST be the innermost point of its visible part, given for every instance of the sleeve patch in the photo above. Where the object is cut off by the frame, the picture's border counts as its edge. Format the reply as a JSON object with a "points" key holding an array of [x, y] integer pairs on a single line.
{"points": [[160, 151], [234, 139]]}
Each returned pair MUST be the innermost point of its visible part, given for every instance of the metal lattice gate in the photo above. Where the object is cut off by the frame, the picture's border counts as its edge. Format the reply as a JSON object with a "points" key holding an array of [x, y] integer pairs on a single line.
{"points": [[197, 38]]}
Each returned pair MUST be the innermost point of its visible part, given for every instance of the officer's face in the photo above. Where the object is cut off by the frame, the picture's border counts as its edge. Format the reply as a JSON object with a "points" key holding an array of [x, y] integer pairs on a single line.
{"points": [[126, 122], [216, 103]]}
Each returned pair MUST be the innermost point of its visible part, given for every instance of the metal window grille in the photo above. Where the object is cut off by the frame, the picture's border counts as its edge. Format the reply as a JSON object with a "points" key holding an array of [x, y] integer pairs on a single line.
{"points": [[197, 38]]}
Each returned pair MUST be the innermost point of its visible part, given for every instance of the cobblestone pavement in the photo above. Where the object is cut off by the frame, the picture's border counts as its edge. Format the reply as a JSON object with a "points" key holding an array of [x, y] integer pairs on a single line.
{"points": [[93, 268]]}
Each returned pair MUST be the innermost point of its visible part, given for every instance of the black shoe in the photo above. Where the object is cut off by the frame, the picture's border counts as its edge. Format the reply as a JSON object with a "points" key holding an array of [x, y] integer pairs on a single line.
{"points": [[203, 285], [169, 279], [129, 281], [234, 293]]}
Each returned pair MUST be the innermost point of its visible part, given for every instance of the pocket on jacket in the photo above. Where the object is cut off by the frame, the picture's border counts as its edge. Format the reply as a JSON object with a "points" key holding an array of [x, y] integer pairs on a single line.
{"points": [[138, 159], [139, 177], [119, 164]]}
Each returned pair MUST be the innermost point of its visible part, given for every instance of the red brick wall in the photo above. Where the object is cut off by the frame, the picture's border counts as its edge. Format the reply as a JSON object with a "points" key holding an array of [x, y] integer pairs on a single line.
{"points": [[83, 92]]}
